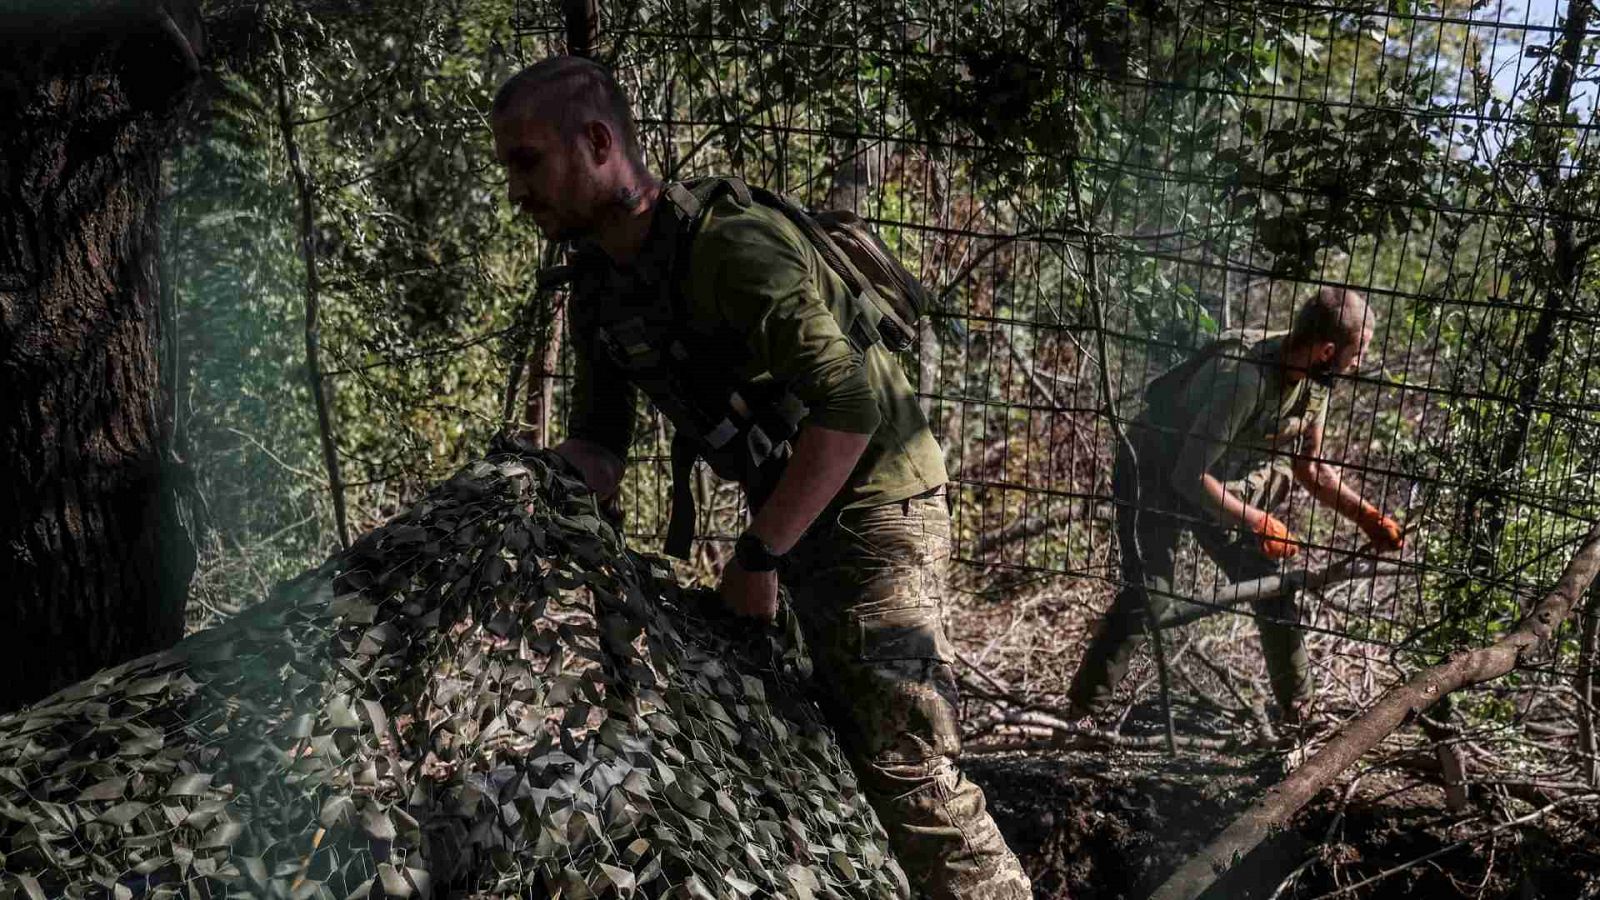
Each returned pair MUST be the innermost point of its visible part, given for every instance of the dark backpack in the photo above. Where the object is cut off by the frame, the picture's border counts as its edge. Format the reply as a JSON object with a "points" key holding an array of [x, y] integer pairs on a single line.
{"points": [[1164, 391], [845, 242]]}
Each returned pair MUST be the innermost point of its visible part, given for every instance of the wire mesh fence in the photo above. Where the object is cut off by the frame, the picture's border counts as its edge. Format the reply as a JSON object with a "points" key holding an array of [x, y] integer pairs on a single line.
{"points": [[1096, 192]]}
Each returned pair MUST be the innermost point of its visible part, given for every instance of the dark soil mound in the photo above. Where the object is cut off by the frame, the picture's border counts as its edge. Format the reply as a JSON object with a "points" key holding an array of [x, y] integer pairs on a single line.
{"points": [[1095, 826]]}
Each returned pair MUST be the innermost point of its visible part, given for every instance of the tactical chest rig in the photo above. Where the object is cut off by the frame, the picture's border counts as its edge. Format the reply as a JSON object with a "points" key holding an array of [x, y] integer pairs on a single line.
{"points": [[695, 371]]}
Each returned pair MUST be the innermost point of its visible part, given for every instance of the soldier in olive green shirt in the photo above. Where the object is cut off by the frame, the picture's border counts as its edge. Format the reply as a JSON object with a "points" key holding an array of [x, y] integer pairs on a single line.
{"points": [[1221, 442], [755, 279], [765, 360]]}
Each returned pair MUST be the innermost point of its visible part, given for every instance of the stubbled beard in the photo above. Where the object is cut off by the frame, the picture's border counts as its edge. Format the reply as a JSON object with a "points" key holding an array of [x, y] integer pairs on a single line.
{"points": [[629, 198], [1322, 373]]}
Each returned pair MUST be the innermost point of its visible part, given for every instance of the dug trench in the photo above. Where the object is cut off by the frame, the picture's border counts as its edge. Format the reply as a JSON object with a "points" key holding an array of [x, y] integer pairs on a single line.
{"points": [[1096, 825]]}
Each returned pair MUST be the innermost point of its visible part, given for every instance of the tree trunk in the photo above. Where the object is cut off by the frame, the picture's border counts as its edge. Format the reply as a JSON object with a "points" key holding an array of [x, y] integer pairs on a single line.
{"points": [[1562, 274], [306, 194], [93, 572], [546, 362], [858, 172], [1588, 664]]}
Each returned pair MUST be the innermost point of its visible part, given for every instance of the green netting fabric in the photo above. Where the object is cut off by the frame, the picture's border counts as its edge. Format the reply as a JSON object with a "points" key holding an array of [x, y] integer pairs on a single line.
{"points": [[489, 695]]}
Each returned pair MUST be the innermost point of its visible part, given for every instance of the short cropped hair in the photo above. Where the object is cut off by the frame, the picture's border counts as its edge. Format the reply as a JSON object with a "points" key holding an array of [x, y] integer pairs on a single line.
{"points": [[1340, 315], [577, 91]]}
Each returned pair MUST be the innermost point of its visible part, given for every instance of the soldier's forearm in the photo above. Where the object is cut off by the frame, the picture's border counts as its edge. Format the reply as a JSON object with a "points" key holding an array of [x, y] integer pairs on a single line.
{"points": [[1224, 505], [601, 468], [823, 460], [1327, 486]]}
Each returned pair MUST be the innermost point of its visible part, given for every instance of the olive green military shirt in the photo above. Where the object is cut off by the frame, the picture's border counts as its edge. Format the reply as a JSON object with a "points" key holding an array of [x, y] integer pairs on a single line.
{"points": [[753, 271], [1241, 420]]}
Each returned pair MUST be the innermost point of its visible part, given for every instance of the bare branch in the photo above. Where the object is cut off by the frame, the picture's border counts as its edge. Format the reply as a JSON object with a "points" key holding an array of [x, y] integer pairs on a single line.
{"points": [[1398, 706]]}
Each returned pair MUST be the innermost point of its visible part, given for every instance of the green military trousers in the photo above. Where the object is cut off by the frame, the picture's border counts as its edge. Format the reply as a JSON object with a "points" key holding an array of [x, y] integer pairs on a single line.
{"points": [[868, 586], [1163, 516]]}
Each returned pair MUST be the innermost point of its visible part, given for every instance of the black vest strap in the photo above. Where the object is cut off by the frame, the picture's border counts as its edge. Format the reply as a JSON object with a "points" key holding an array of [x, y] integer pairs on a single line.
{"points": [[680, 521]]}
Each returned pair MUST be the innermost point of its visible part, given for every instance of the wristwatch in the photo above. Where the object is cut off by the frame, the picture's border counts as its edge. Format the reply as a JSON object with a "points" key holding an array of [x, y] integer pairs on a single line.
{"points": [[753, 554]]}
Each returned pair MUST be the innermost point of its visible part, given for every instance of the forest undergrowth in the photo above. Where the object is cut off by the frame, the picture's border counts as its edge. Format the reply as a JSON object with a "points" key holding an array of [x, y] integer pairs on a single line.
{"points": [[1095, 819]]}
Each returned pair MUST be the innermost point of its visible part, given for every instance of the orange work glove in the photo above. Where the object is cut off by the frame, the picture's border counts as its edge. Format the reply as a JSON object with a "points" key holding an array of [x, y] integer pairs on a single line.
{"points": [[1382, 531], [1276, 541]]}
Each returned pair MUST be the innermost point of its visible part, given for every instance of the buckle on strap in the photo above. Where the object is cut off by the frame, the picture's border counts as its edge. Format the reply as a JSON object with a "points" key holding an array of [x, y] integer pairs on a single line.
{"points": [[719, 436], [759, 444], [861, 335], [684, 199]]}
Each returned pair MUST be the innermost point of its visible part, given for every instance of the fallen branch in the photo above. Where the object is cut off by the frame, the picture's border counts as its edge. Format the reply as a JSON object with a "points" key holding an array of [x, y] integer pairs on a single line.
{"points": [[1022, 529], [1060, 731], [1273, 585], [1588, 662], [1394, 709], [1327, 837]]}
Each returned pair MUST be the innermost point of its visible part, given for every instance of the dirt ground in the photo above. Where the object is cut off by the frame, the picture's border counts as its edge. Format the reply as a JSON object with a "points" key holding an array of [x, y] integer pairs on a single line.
{"points": [[1092, 825]]}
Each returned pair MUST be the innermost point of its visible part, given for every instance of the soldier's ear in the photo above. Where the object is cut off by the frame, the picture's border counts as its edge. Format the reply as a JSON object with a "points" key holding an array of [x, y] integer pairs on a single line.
{"points": [[1325, 351], [598, 141]]}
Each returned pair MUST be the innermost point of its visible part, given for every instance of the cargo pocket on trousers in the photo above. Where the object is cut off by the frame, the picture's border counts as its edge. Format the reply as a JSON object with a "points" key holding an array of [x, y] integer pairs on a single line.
{"points": [[906, 633], [914, 702]]}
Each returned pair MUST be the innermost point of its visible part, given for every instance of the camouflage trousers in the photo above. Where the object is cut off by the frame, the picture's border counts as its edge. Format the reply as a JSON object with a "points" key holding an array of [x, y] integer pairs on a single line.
{"points": [[868, 588], [1163, 517]]}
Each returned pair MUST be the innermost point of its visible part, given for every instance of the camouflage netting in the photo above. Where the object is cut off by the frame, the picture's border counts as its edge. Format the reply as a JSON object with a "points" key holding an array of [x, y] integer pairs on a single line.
{"points": [[488, 694]]}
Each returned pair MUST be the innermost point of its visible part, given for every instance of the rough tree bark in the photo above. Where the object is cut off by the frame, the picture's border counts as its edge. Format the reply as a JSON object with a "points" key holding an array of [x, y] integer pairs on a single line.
{"points": [[1394, 709], [92, 571]]}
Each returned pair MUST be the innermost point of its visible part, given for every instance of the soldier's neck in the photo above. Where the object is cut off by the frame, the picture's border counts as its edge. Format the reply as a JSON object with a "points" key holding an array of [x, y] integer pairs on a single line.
{"points": [[622, 231], [1294, 363]]}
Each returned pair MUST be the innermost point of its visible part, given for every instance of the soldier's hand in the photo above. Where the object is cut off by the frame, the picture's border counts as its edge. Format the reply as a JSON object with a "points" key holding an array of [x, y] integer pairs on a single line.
{"points": [[750, 594], [1276, 541], [1384, 533]]}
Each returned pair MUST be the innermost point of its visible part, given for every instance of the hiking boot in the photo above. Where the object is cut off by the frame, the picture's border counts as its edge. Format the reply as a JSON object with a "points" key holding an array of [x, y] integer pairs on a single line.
{"points": [[1301, 726], [1306, 718]]}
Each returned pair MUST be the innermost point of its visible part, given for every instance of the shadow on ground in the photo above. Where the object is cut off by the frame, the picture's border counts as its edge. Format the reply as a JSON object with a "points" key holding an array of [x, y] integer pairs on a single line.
{"points": [[1091, 825]]}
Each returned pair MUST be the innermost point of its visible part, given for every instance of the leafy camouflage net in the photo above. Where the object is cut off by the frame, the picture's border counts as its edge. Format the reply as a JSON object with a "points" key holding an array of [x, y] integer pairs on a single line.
{"points": [[489, 694]]}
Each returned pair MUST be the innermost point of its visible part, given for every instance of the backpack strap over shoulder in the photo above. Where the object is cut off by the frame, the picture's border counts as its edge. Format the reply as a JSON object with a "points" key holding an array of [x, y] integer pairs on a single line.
{"points": [[761, 424], [694, 199]]}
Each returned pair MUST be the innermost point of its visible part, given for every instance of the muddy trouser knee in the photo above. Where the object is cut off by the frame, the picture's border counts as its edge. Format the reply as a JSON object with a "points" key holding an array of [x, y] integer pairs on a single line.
{"points": [[869, 587]]}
